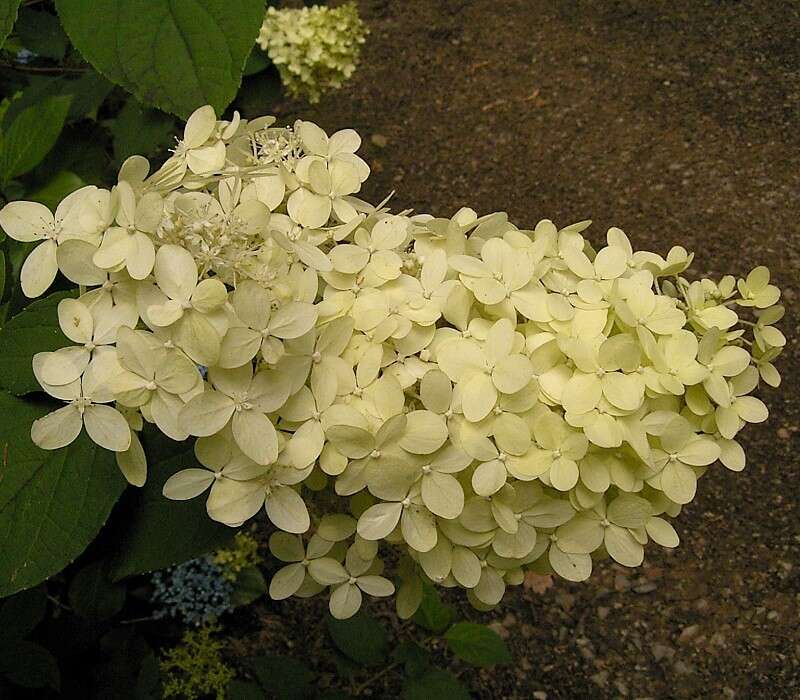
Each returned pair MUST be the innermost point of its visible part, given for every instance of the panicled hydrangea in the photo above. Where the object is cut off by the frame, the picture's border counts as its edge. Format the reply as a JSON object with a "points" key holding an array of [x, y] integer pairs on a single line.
{"points": [[316, 49], [482, 398]]}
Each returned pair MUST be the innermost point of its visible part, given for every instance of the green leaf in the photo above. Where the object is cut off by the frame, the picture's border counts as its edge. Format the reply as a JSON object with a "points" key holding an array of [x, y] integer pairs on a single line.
{"points": [[256, 62], [243, 690], [57, 188], [52, 502], [361, 638], [437, 684], [8, 15], [41, 33], [88, 91], [477, 644], [159, 532], [138, 130], [20, 614], [148, 684], [432, 614], [34, 329], [174, 55], [93, 596], [282, 677], [2, 274], [249, 586], [83, 150], [32, 666], [415, 659], [31, 136]]}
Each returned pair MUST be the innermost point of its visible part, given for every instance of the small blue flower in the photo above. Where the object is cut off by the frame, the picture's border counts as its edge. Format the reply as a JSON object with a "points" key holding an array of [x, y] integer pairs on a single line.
{"points": [[195, 592], [25, 56]]}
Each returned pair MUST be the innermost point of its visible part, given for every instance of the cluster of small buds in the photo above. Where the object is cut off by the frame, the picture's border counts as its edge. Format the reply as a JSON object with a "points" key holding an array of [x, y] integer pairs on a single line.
{"points": [[241, 555], [483, 398], [316, 49], [195, 592]]}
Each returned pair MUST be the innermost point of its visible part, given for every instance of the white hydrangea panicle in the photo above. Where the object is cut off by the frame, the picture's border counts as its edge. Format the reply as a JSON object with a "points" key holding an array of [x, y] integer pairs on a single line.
{"points": [[314, 48], [482, 398]]}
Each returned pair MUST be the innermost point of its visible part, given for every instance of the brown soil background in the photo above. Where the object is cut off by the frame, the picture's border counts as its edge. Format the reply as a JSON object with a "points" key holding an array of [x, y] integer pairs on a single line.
{"points": [[680, 123]]}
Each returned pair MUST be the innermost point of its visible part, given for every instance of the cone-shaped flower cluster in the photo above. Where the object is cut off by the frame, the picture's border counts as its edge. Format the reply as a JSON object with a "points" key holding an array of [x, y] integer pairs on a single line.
{"points": [[483, 398], [316, 49]]}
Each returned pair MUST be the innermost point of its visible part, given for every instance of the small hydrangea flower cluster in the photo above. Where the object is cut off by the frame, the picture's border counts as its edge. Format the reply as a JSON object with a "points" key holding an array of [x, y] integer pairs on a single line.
{"points": [[195, 592], [483, 398], [241, 555], [315, 49], [195, 668]]}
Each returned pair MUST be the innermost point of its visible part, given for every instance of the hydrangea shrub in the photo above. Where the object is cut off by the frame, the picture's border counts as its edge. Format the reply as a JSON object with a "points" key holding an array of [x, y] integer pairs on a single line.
{"points": [[479, 398], [315, 49]]}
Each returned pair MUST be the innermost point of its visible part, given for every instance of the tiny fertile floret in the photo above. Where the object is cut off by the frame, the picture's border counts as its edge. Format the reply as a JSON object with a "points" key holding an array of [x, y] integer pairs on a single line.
{"points": [[482, 398]]}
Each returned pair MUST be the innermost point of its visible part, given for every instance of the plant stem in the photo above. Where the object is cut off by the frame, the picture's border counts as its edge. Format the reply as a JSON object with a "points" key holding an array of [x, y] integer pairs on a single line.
{"points": [[134, 620], [45, 70], [374, 678]]}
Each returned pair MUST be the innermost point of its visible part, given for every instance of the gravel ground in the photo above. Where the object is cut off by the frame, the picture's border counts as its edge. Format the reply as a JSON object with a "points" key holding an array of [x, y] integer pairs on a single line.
{"points": [[678, 122]]}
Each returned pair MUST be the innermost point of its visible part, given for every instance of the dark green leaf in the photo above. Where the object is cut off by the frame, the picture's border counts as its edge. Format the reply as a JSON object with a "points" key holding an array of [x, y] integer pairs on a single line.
{"points": [[148, 684], [8, 14], [346, 668], [260, 92], [31, 135], [87, 91], [361, 637], [93, 596], [243, 690], [176, 56], [477, 644], [20, 614], [282, 677], [414, 658], [41, 33], [140, 131], [256, 62], [56, 189], [52, 502], [432, 614], [249, 586], [159, 532], [34, 329], [435, 684], [32, 666], [2, 274], [83, 150]]}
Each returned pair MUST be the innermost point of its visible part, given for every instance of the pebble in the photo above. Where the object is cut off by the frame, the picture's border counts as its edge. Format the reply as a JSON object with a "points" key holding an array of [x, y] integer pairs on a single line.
{"points": [[539, 695], [682, 669], [784, 434], [499, 629], [379, 140], [662, 651], [645, 588], [688, 633], [600, 678]]}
